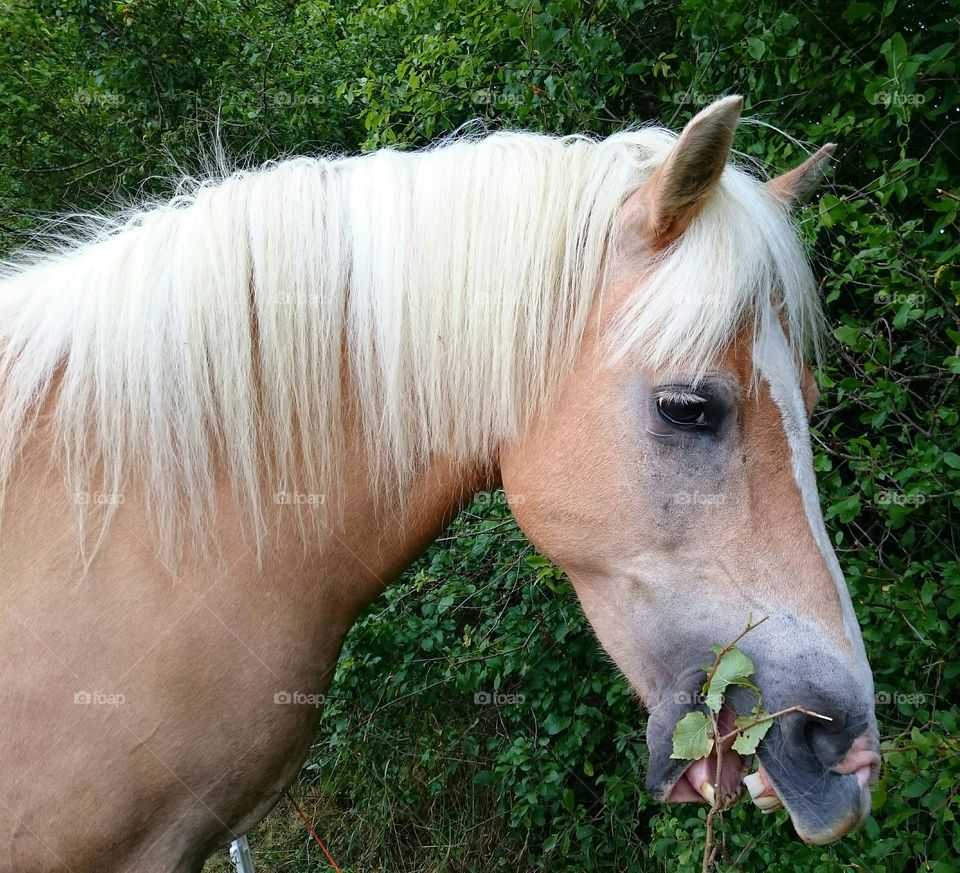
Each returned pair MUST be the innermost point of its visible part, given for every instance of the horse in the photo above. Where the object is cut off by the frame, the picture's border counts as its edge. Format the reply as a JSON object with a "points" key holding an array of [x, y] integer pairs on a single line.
{"points": [[229, 419]]}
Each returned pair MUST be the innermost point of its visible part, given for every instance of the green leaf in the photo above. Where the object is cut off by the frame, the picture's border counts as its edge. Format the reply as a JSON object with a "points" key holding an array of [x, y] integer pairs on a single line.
{"points": [[691, 737], [748, 740], [756, 47], [915, 788], [735, 668], [848, 335], [554, 723]]}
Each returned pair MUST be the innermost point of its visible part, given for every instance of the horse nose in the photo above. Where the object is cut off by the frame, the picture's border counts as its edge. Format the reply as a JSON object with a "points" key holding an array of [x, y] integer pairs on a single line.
{"points": [[826, 736], [832, 741], [862, 759], [832, 759]]}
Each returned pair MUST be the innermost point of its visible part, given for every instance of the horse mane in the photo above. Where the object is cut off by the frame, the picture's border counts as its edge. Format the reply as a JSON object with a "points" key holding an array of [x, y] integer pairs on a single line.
{"points": [[440, 295]]}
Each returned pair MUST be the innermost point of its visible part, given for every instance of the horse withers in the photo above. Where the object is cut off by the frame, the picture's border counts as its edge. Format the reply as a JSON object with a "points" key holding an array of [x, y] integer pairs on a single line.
{"points": [[227, 421]]}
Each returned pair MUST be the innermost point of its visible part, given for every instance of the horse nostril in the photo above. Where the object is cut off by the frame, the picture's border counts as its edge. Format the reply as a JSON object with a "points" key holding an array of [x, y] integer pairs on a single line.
{"points": [[827, 740], [862, 759]]}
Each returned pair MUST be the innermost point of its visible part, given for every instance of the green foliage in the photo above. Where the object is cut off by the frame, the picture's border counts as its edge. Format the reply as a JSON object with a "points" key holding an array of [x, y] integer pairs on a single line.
{"points": [[101, 100], [474, 716], [733, 667], [692, 737], [753, 729], [694, 734]]}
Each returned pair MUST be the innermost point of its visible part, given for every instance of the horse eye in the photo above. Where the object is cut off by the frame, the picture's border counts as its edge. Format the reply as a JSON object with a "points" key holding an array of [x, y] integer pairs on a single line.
{"points": [[683, 410]]}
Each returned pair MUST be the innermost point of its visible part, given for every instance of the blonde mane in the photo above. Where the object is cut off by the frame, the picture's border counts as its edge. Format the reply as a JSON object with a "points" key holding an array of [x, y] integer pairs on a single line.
{"points": [[220, 337]]}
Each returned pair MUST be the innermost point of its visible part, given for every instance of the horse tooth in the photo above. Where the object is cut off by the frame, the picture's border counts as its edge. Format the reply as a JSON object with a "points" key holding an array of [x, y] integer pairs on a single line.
{"points": [[708, 792], [755, 784], [768, 804], [728, 800]]}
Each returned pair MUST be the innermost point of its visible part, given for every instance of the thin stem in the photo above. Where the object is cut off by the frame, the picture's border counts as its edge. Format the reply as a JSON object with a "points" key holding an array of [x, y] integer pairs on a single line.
{"points": [[719, 740], [709, 845], [737, 731], [727, 648]]}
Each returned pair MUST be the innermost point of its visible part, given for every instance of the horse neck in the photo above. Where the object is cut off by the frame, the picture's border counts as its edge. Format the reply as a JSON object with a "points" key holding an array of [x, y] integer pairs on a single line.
{"points": [[380, 537]]}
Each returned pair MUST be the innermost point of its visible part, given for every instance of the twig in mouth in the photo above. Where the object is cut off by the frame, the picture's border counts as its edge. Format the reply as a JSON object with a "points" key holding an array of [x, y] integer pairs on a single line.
{"points": [[770, 715], [727, 648]]}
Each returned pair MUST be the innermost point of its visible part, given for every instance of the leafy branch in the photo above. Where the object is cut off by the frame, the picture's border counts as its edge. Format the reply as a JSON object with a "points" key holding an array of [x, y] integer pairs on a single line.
{"points": [[698, 733]]}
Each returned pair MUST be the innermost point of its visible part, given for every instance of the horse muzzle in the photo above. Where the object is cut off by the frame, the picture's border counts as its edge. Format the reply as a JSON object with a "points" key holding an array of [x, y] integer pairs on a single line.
{"points": [[818, 774], [818, 769]]}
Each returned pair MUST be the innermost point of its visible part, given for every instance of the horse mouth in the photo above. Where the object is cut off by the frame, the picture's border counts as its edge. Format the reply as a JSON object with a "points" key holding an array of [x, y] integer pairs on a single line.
{"points": [[712, 778], [782, 781], [843, 798]]}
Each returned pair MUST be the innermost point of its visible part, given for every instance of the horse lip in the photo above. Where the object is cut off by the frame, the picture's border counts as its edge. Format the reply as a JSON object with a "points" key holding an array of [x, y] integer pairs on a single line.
{"points": [[861, 762], [842, 826], [672, 777], [664, 772]]}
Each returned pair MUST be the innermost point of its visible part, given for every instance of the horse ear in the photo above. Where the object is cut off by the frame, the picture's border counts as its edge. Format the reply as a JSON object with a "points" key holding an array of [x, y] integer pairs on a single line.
{"points": [[796, 185], [684, 181]]}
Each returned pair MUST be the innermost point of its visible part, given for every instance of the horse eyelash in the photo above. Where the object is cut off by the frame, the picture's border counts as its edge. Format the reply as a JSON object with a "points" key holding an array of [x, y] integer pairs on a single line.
{"points": [[687, 398]]}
